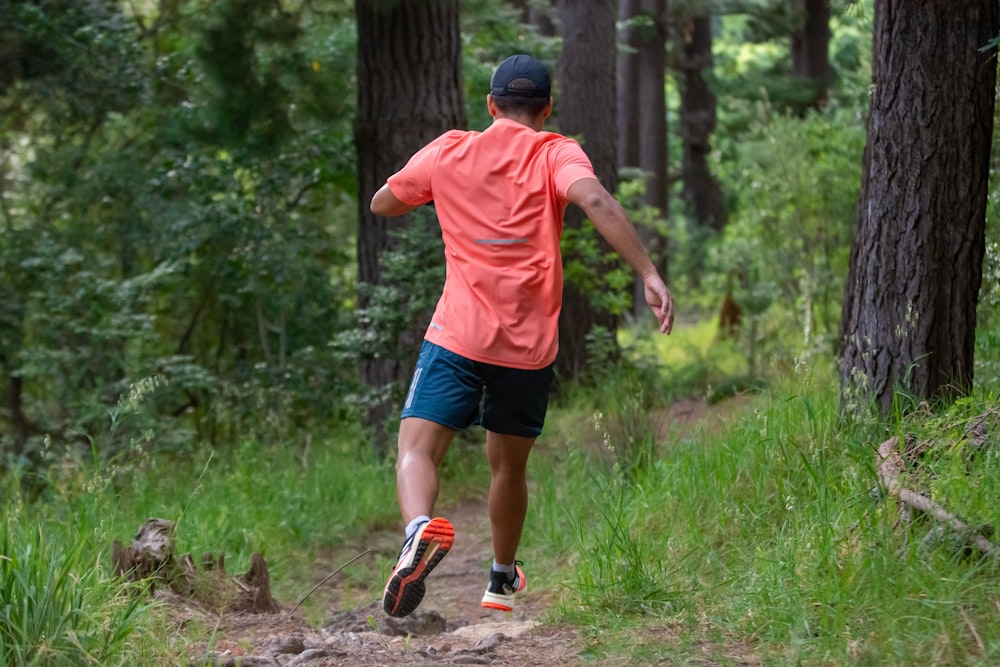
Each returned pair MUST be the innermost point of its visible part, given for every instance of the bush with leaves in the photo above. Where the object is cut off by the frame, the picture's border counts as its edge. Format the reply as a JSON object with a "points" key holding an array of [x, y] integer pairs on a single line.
{"points": [[794, 185], [397, 312]]}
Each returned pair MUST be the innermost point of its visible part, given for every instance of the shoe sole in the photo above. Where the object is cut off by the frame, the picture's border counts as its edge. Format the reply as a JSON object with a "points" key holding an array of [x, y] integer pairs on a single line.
{"points": [[406, 588]]}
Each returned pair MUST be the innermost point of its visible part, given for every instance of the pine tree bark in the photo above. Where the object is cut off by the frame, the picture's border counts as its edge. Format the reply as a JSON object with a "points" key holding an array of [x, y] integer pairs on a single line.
{"points": [[653, 125], [586, 110], [409, 91], [909, 313], [627, 86]]}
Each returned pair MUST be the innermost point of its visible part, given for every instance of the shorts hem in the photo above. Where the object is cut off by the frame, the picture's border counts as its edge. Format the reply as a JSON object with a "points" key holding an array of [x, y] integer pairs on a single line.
{"points": [[437, 419]]}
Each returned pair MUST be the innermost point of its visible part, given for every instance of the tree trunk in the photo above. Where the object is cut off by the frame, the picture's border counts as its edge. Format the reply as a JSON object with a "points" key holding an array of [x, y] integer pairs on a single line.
{"points": [[532, 14], [653, 132], [701, 191], [909, 314], [627, 85], [409, 91], [811, 50], [642, 116], [586, 108]]}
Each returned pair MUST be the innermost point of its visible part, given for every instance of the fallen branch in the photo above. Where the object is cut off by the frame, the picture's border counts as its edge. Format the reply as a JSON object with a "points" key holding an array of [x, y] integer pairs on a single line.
{"points": [[326, 579], [891, 466]]}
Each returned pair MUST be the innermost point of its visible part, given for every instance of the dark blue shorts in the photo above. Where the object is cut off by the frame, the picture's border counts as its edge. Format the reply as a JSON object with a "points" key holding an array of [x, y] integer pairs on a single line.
{"points": [[457, 392]]}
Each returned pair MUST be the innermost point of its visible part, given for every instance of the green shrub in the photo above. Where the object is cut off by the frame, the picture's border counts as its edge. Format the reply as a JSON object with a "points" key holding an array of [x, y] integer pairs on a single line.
{"points": [[57, 606]]}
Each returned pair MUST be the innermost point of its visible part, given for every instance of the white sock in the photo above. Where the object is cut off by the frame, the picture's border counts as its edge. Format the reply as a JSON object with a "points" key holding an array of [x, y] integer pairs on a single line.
{"points": [[413, 525], [509, 570]]}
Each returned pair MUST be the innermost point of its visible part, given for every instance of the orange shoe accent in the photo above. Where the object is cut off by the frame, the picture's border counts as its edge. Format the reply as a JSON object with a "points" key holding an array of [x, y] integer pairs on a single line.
{"points": [[405, 589], [502, 601]]}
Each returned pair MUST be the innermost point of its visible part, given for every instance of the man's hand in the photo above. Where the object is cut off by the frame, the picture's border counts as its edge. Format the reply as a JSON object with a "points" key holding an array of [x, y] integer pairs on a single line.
{"points": [[660, 299]]}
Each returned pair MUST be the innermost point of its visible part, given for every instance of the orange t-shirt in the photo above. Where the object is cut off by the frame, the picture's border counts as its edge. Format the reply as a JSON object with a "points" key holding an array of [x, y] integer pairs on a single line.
{"points": [[500, 195]]}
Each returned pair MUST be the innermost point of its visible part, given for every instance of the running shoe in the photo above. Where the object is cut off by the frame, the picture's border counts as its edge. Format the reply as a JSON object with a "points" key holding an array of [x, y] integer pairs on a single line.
{"points": [[420, 554], [503, 591]]}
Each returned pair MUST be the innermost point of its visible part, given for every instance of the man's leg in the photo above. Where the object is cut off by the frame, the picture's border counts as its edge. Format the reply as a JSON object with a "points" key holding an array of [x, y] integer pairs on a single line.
{"points": [[508, 506], [421, 448], [508, 499]]}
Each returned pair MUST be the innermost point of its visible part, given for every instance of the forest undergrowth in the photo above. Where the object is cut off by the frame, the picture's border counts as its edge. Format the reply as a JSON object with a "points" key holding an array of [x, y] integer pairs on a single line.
{"points": [[661, 532]]}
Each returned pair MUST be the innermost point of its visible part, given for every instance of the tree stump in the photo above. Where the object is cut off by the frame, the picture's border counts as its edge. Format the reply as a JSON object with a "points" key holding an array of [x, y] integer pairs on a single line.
{"points": [[150, 558]]}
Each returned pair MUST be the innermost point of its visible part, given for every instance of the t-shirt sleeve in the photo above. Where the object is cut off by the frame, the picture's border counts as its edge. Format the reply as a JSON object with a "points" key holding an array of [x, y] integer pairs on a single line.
{"points": [[412, 183], [569, 165]]}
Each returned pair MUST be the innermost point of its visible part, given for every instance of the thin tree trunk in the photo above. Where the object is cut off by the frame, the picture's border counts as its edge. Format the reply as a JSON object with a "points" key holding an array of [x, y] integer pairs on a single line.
{"points": [[701, 191], [810, 50], [627, 86], [642, 116]]}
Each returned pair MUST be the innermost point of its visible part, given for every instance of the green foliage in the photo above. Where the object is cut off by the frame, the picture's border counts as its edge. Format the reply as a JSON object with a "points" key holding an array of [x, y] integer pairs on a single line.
{"points": [[177, 189], [791, 186], [396, 313], [73, 56], [752, 61], [622, 573], [492, 31], [273, 499], [595, 271], [57, 606], [784, 253], [758, 525], [770, 523]]}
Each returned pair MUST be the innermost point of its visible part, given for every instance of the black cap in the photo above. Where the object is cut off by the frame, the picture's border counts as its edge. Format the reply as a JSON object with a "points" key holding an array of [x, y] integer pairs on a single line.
{"points": [[521, 76]]}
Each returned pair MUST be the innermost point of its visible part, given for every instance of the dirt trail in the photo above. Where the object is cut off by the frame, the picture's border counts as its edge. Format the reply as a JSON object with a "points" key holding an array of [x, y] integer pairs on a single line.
{"points": [[449, 628]]}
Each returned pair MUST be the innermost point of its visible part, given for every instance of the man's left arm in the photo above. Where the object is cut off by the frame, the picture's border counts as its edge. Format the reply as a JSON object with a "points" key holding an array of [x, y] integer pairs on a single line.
{"points": [[611, 221]]}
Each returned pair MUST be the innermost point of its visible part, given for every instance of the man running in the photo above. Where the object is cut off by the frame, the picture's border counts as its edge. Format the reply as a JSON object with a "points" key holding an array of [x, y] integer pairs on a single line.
{"points": [[488, 354]]}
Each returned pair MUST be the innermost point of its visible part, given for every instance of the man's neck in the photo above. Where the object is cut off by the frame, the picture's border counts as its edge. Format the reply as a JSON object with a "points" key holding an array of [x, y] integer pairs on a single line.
{"points": [[535, 124]]}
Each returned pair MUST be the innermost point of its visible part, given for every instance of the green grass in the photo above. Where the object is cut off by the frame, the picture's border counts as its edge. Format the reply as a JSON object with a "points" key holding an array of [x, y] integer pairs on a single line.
{"points": [[768, 527], [57, 606], [755, 534]]}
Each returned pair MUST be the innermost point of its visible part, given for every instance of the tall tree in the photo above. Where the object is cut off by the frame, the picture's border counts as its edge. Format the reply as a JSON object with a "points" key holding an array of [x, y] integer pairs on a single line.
{"points": [[627, 84], [652, 131], [811, 49], [909, 314], [700, 190], [409, 91], [534, 13], [586, 109], [653, 113]]}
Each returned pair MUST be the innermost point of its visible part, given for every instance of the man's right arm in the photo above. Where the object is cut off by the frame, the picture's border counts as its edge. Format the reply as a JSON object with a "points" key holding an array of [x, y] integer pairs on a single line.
{"points": [[611, 221], [387, 204], [413, 182]]}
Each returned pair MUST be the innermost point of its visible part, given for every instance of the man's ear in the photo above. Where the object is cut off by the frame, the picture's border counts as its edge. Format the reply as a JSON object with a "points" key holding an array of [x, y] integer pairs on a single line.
{"points": [[548, 108], [490, 106]]}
